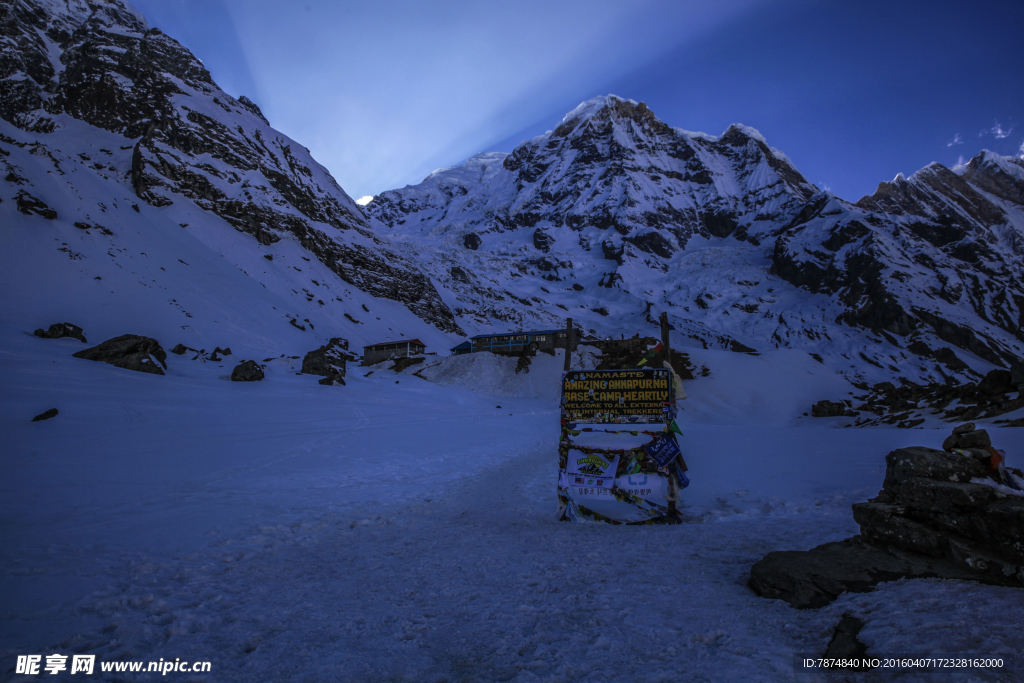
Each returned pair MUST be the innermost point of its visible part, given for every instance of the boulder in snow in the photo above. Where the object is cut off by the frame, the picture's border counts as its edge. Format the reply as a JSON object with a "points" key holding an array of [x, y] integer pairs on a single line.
{"points": [[808, 579], [247, 371], [129, 351], [60, 330], [52, 412], [997, 381], [329, 360], [935, 517]]}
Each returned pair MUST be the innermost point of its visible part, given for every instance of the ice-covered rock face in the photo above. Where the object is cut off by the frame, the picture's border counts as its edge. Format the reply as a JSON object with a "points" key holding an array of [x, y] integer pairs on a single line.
{"points": [[934, 255], [611, 164], [102, 64], [614, 213]]}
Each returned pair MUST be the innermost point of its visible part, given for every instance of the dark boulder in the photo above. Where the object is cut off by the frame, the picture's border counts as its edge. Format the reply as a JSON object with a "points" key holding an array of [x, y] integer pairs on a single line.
{"points": [[247, 371], [181, 350], [905, 463], [996, 382], [28, 205], [808, 579], [129, 351], [828, 409], [60, 330], [976, 439], [931, 519], [52, 412], [329, 360], [964, 428], [472, 241]]}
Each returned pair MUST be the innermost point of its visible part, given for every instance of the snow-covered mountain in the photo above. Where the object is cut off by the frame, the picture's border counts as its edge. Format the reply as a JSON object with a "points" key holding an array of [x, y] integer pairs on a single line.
{"points": [[615, 214], [140, 197], [123, 161]]}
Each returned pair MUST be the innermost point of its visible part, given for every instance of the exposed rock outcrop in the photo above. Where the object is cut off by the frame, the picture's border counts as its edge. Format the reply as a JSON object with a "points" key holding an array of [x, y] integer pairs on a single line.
{"points": [[329, 361], [808, 579], [129, 351], [247, 371], [935, 517], [905, 405], [61, 330], [931, 254], [28, 205]]}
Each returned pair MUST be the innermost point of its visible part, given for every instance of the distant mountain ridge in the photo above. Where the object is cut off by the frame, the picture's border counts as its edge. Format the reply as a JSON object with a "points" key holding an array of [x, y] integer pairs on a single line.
{"points": [[614, 213]]}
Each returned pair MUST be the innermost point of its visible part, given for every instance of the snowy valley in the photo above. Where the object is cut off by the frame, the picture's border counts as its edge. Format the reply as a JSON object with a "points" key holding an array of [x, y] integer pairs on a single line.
{"points": [[401, 525]]}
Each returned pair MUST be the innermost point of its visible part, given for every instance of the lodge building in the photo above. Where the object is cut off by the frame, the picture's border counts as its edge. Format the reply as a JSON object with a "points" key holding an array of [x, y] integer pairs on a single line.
{"points": [[376, 353], [514, 343]]}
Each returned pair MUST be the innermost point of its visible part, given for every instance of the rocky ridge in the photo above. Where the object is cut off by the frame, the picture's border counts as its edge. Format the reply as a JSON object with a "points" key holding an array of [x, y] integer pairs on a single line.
{"points": [[101, 64], [614, 212]]}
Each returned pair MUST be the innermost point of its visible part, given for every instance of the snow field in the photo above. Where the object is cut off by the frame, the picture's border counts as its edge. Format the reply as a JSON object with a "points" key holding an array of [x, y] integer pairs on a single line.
{"points": [[406, 532]]}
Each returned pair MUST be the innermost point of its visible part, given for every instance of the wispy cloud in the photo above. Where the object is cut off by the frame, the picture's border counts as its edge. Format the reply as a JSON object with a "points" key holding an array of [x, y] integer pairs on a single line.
{"points": [[1020, 153], [998, 131], [957, 140]]}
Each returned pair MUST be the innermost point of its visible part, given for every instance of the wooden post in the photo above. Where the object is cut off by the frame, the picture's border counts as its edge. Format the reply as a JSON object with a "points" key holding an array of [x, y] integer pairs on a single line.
{"points": [[568, 343], [664, 339]]}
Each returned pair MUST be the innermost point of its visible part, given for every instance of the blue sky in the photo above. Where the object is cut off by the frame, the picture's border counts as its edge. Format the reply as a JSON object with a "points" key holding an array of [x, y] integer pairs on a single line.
{"points": [[383, 93]]}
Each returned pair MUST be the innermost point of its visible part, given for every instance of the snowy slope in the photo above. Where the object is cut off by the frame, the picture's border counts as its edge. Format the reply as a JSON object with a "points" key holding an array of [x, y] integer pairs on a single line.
{"points": [[174, 273], [406, 531], [614, 216], [102, 113]]}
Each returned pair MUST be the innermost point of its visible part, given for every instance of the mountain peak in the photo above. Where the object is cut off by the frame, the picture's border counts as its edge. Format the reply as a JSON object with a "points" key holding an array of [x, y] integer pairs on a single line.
{"points": [[996, 174], [604, 108]]}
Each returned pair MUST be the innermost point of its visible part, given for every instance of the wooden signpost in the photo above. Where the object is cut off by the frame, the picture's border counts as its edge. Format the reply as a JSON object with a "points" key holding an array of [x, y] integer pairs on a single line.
{"points": [[619, 461]]}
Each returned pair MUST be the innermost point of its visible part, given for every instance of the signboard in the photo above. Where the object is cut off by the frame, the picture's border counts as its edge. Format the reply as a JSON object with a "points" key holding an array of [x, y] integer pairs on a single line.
{"points": [[591, 469], [663, 450], [633, 477], [617, 396]]}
